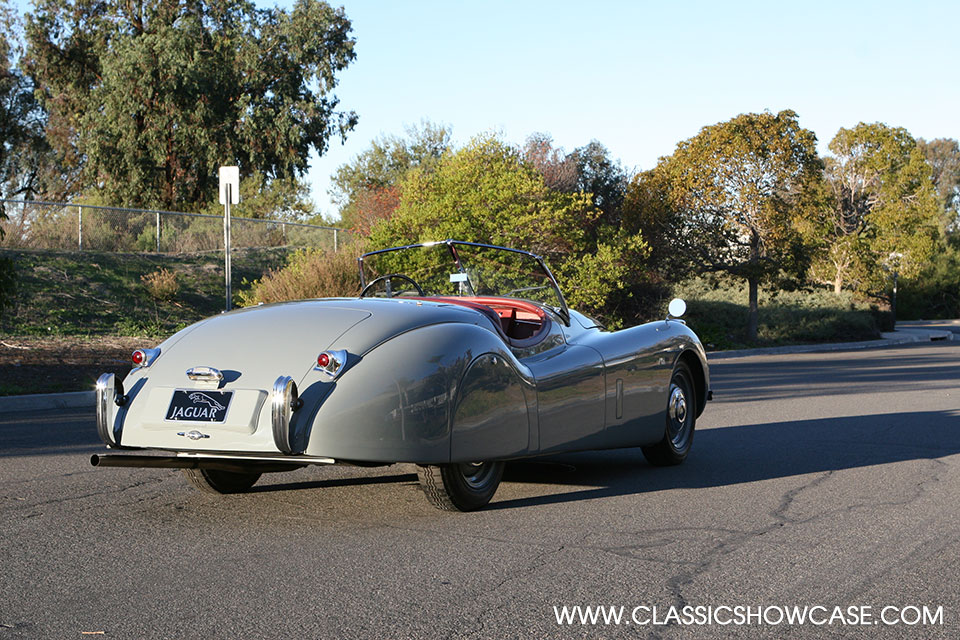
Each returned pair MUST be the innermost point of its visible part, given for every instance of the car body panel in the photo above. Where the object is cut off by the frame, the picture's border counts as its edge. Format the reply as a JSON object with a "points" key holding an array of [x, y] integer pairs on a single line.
{"points": [[426, 380]]}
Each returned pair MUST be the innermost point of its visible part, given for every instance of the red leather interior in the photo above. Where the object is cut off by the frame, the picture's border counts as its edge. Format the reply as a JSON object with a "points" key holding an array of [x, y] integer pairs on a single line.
{"points": [[518, 320]]}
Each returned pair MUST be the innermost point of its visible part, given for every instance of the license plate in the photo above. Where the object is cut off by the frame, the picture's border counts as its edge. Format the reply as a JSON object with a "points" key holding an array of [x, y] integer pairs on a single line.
{"points": [[190, 405]]}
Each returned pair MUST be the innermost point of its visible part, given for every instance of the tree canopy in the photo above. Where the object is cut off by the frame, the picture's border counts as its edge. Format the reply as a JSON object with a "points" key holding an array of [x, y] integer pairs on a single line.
{"points": [[22, 142], [734, 198], [943, 156], [885, 213], [147, 100], [487, 192], [366, 188]]}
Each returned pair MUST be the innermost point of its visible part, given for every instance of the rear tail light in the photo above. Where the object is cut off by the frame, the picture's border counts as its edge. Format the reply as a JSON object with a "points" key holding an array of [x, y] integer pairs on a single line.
{"points": [[144, 357], [332, 362]]}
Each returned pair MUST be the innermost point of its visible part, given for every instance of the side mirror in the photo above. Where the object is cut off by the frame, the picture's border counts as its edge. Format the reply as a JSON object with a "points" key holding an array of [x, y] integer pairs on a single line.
{"points": [[676, 308]]}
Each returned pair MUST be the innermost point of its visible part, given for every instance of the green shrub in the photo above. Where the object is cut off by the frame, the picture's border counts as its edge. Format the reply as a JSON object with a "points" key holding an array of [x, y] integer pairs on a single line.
{"points": [[935, 293], [717, 311]]}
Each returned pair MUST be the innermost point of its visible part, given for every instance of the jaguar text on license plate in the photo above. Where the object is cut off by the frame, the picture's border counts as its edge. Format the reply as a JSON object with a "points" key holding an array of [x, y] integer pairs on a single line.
{"points": [[190, 405]]}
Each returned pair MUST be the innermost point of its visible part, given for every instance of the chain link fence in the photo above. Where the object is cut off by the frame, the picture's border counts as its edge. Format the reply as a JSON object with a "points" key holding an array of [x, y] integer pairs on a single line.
{"points": [[189, 245], [57, 225]]}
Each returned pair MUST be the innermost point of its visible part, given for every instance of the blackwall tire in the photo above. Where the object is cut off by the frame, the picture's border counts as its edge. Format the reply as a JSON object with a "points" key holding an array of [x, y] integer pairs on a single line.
{"points": [[216, 481], [460, 487], [681, 421]]}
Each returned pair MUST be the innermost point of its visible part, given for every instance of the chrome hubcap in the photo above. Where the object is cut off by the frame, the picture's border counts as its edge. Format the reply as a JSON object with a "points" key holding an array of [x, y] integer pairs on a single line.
{"points": [[678, 404], [476, 474], [678, 423]]}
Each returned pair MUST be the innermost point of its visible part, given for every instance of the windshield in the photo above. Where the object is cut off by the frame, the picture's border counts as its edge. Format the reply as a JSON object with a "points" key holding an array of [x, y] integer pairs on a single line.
{"points": [[453, 268]]}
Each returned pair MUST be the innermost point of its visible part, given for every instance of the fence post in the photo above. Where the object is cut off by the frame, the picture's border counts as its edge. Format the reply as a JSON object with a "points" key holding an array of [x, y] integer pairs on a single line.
{"points": [[158, 232], [334, 240], [79, 228]]}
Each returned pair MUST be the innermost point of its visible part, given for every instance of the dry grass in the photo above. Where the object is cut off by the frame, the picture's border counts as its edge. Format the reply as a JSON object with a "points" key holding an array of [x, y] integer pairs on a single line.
{"points": [[309, 273], [162, 285]]}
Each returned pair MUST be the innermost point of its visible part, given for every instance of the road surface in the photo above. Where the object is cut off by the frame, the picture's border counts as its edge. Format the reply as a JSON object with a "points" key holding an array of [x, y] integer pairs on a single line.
{"points": [[828, 480]]}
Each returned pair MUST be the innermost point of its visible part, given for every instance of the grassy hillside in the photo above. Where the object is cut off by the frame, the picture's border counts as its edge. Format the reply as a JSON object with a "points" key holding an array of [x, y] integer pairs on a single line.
{"points": [[63, 293], [71, 293]]}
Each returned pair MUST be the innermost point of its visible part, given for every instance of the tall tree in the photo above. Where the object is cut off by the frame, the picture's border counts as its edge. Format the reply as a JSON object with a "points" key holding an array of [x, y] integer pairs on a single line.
{"points": [[733, 198], [366, 187], [588, 169], [943, 156], [885, 213], [559, 170], [487, 192], [24, 157], [147, 99], [602, 177]]}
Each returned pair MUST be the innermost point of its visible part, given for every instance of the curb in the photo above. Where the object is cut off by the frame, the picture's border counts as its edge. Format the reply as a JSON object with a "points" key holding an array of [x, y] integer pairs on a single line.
{"points": [[47, 401], [892, 338]]}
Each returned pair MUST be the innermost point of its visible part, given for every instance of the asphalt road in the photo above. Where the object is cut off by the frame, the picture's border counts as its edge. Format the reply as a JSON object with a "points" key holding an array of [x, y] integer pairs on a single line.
{"points": [[815, 479]]}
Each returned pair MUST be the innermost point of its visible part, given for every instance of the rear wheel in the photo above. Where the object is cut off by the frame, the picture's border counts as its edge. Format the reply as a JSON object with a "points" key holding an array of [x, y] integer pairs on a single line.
{"points": [[216, 481], [460, 487], [681, 421]]}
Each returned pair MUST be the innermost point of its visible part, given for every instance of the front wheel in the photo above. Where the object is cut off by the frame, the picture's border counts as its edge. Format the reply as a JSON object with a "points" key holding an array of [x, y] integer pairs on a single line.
{"points": [[681, 421], [216, 481], [460, 487]]}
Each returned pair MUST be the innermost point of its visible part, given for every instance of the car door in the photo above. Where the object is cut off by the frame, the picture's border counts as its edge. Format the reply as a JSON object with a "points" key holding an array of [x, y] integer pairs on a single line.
{"points": [[570, 393]]}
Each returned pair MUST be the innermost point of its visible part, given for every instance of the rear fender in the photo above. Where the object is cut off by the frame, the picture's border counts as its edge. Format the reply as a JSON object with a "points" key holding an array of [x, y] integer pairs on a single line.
{"points": [[396, 402]]}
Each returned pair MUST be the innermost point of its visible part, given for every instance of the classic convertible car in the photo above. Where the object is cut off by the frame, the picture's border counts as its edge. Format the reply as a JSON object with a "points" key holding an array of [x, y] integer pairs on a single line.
{"points": [[456, 356]]}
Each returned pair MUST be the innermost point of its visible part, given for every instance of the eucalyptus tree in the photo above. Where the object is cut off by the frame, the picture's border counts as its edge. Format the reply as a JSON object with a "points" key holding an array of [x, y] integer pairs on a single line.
{"points": [[943, 156], [148, 98], [24, 161], [885, 212]]}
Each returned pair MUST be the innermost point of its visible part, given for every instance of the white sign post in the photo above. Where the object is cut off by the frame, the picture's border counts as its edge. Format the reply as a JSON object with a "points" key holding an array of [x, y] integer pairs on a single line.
{"points": [[229, 194]]}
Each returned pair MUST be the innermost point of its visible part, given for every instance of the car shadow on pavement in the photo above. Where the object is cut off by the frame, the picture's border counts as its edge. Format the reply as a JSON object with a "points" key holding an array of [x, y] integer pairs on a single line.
{"points": [[749, 453], [335, 482]]}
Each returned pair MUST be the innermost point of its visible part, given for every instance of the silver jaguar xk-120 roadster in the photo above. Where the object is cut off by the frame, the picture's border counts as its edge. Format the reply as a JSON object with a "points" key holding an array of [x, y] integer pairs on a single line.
{"points": [[456, 356]]}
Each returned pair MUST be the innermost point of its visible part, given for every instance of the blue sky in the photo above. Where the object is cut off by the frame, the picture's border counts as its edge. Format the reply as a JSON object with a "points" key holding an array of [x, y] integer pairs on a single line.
{"points": [[642, 76]]}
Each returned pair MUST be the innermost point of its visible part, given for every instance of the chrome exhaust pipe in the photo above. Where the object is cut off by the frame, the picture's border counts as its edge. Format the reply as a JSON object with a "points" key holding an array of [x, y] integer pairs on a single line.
{"points": [[182, 462]]}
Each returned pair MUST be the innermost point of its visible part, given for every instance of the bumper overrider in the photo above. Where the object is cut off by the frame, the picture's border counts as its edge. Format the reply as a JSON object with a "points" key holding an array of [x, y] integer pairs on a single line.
{"points": [[109, 394]]}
